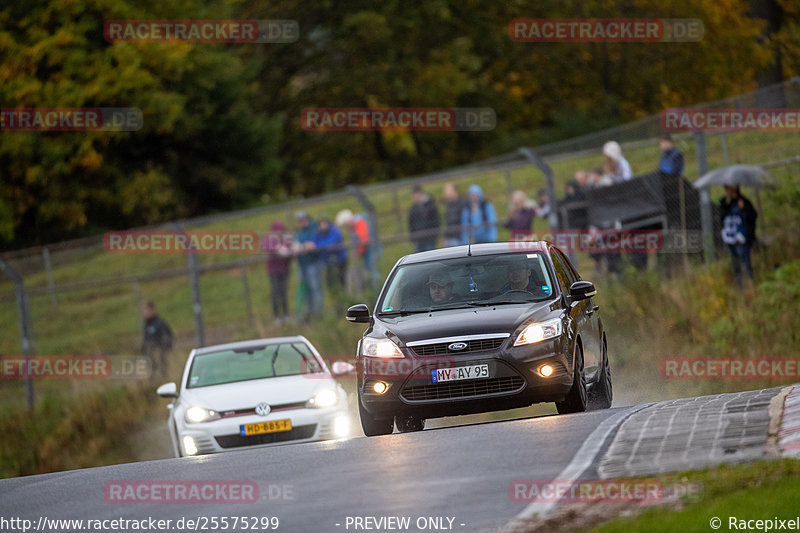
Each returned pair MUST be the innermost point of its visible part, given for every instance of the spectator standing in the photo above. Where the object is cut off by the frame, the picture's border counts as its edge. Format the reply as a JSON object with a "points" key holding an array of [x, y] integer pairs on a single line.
{"points": [[157, 340], [671, 163], [521, 211], [364, 271], [617, 167], [278, 245], [738, 230], [478, 218], [332, 253], [543, 209], [308, 263], [423, 221], [454, 205]]}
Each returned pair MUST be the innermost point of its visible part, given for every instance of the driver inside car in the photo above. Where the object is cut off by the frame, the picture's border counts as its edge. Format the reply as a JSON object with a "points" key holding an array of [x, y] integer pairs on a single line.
{"points": [[440, 288], [519, 276]]}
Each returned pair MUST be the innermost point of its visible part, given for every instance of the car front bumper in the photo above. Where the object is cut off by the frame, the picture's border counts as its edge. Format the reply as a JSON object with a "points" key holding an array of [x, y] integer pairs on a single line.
{"points": [[514, 381], [223, 435]]}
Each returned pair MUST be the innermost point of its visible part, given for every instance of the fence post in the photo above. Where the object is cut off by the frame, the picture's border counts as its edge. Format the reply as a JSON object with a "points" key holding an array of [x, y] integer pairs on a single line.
{"points": [[24, 325], [540, 163], [48, 267], [248, 304], [705, 199]]}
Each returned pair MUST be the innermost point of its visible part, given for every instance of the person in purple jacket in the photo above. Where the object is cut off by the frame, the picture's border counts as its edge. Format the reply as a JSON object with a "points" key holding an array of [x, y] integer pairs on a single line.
{"points": [[278, 245], [521, 212]]}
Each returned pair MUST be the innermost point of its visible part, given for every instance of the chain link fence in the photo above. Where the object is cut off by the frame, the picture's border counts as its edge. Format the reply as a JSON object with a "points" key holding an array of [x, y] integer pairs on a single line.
{"points": [[77, 287]]}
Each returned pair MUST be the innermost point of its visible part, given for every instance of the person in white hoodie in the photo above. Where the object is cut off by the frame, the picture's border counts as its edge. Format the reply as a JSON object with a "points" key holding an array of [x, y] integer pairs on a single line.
{"points": [[617, 167]]}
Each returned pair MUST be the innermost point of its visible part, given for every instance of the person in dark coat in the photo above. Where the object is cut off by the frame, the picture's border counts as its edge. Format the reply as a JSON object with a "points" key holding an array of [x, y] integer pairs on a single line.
{"points": [[157, 339], [738, 230], [278, 245], [423, 221], [454, 205], [671, 162]]}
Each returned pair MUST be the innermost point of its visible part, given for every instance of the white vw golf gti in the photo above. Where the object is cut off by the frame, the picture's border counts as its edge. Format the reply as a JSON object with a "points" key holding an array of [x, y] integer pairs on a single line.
{"points": [[255, 393]]}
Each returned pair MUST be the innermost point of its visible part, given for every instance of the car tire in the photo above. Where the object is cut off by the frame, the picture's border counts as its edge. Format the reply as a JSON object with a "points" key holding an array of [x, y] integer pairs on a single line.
{"points": [[409, 424], [576, 399], [374, 426], [602, 393]]}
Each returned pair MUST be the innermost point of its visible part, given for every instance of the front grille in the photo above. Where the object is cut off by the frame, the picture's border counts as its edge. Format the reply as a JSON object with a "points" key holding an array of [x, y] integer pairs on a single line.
{"points": [[252, 410], [476, 345], [296, 433], [462, 389]]}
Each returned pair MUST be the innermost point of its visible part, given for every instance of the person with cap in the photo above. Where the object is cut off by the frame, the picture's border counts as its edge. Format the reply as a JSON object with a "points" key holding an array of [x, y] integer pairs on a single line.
{"points": [[440, 287], [671, 162], [617, 167], [478, 218], [423, 221], [738, 230], [308, 263], [278, 245]]}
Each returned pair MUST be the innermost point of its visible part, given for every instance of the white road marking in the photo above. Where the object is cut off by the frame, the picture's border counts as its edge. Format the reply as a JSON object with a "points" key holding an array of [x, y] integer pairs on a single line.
{"points": [[583, 459]]}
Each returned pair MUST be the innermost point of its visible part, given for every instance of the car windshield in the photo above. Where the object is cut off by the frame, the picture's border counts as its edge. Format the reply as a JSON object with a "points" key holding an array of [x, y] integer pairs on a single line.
{"points": [[466, 282], [259, 362]]}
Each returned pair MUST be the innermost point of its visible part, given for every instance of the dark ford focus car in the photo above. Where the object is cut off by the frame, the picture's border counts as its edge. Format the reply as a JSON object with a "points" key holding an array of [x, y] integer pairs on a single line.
{"points": [[480, 328]]}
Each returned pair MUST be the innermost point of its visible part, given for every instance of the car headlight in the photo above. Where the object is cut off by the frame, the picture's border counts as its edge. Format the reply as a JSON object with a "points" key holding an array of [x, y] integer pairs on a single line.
{"points": [[539, 331], [195, 415], [383, 348], [322, 399]]}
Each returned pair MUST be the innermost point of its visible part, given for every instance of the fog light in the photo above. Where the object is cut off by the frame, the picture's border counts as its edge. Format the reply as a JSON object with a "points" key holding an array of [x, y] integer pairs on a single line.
{"points": [[189, 446], [546, 370], [341, 426], [380, 387]]}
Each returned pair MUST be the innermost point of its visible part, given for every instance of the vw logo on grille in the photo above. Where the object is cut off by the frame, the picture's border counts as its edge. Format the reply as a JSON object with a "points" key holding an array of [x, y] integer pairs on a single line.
{"points": [[263, 409], [457, 346]]}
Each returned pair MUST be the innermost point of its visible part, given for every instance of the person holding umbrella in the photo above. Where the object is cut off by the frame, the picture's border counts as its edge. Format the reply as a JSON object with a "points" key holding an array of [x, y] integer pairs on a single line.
{"points": [[738, 229]]}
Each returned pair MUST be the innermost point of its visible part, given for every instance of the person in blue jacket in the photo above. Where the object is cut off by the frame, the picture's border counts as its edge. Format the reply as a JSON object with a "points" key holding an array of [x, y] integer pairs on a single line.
{"points": [[478, 218], [332, 253]]}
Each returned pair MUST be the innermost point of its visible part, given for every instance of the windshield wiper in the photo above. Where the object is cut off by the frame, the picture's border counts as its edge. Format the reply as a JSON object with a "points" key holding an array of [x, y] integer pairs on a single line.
{"points": [[489, 303], [402, 312]]}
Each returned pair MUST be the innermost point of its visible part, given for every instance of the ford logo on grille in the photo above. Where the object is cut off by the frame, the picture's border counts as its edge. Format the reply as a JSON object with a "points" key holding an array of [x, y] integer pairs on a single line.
{"points": [[457, 346], [263, 409]]}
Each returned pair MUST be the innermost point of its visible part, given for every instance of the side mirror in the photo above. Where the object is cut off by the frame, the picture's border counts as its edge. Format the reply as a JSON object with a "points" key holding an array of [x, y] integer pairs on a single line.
{"points": [[581, 290], [358, 313], [340, 368], [168, 390]]}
